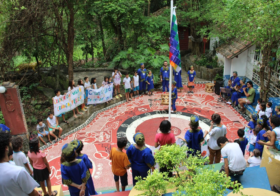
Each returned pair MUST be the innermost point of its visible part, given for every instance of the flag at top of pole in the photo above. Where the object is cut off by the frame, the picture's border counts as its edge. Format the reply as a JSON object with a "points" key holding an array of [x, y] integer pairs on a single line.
{"points": [[174, 51]]}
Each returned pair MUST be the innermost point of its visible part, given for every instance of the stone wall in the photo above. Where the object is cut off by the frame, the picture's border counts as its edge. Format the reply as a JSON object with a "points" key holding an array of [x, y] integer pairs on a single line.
{"points": [[201, 72]]}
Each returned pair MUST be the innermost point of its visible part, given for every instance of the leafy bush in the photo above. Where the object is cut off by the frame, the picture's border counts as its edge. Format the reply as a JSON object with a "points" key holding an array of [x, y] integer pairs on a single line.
{"points": [[218, 77], [154, 185], [2, 120], [194, 180], [207, 61], [171, 156]]}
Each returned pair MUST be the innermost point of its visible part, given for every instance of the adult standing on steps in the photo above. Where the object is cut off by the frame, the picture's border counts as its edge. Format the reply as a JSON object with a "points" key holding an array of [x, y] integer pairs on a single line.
{"points": [[142, 72], [164, 76]]}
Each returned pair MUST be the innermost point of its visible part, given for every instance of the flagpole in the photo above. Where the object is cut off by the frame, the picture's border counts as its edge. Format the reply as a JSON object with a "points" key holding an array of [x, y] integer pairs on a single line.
{"points": [[170, 67]]}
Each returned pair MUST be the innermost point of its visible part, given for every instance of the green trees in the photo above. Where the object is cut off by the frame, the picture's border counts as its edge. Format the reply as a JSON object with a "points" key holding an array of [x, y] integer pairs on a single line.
{"points": [[252, 20], [48, 31]]}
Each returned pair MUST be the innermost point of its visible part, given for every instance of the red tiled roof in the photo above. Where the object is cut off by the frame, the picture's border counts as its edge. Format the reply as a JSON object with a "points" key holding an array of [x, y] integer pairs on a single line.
{"points": [[233, 48]]}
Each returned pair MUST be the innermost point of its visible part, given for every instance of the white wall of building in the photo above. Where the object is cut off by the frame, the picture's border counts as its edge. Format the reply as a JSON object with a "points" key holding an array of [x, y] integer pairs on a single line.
{"points": [[239, 64], [250, 62], [227, 67], [221, 59], [212, 42]]}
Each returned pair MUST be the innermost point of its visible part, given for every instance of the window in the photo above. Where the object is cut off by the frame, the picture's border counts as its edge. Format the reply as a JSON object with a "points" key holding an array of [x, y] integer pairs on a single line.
{"points": [[257, 55]]}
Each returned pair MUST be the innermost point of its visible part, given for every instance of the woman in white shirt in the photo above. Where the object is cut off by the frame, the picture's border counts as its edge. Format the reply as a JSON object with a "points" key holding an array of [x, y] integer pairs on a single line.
{"points": [[214, 133], [117, 81], [71, 87]]}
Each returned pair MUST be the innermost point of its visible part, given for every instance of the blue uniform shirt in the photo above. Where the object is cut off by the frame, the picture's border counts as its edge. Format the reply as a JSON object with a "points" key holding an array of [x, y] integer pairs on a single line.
{"points": [[252, 125], [164, 72], [191, 75], [140, 158], [4, 128], [262, 138], [243, 143], [142, 74], [234, 81], [174, 93], [194, 139]]}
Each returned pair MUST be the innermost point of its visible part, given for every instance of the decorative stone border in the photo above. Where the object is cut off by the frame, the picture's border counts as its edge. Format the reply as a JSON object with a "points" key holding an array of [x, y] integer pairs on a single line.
{"points": [[83, 125]]}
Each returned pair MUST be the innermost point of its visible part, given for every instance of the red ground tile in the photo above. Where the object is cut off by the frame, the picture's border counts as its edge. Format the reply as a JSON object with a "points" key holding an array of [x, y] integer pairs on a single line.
{"points": [[101, 134]]}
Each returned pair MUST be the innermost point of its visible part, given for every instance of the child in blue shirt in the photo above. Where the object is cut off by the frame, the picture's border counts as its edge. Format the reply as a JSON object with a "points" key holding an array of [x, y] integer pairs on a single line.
{"points": [[174, 96], [194, 137], [274, 135], [260, 136], [79, 147], [253, 121], [140, 157], [150, 82], [242, 141], [191, 79], [74, 172]]}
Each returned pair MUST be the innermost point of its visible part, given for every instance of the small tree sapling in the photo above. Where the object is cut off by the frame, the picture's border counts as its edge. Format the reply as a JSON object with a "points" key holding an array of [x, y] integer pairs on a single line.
{"points": [[155, 184]]}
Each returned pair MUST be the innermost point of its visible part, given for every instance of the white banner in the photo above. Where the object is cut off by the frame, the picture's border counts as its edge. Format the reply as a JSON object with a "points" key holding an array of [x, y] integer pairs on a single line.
{"points": [[101, 95], [69, 101]]}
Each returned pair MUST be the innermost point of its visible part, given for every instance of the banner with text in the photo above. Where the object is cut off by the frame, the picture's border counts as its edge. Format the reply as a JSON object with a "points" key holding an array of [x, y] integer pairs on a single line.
{"points": [[101, 95], [69, 101]]}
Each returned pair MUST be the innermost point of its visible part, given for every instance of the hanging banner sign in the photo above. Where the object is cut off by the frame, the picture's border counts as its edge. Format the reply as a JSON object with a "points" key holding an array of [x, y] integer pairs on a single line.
{"points": [[69, 101], [101, 95]]}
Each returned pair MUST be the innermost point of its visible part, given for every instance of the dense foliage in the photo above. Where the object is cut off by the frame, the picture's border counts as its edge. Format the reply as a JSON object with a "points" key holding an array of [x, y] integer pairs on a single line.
{"points": [[192, 178], [127, 32]]}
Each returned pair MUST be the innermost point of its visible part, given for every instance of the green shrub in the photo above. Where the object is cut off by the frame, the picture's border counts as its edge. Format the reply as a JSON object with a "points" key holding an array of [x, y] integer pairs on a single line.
{"points": [[207, 61], [194, 180], [218, 77], [2, 120], [154, 185]]}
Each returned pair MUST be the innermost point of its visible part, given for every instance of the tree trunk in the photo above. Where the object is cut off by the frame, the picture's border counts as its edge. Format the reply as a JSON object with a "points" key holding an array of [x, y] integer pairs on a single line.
{"points": [[267, 58], [120, 35], [195, 45], [92, 52], [102, 36], [58, 69], [149, 6], [70, 40]]}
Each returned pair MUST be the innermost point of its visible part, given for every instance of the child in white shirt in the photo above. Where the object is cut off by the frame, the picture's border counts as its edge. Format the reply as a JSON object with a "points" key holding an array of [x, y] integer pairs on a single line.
{"points": [[87, 86], [252, 140], [268, 109], [105, 83], [258, 105], [262, 110], [255, 160], [18, 156], [127, 86], [136, 83]]}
